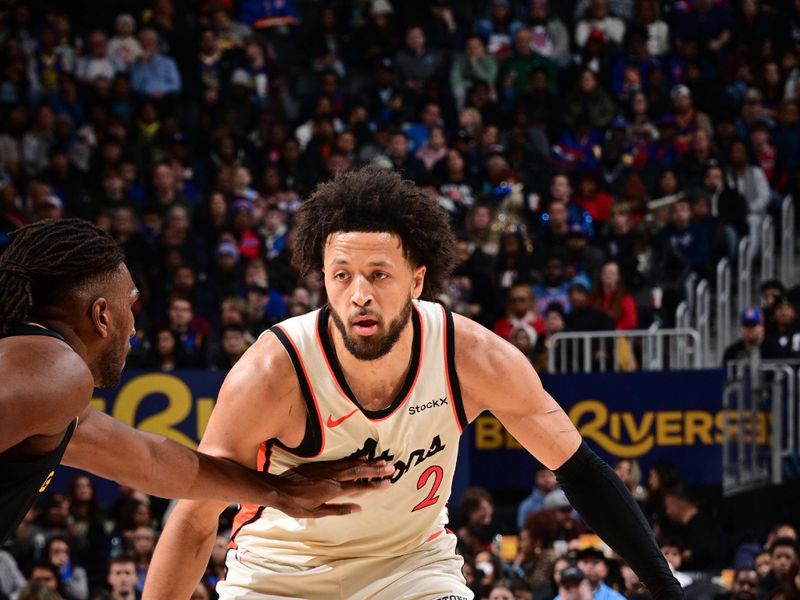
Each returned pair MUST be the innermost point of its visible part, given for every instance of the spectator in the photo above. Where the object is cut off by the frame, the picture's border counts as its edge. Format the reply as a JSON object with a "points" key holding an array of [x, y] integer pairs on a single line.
{"points": [[519, 312], [473, 64], [784, 328], [597, 17], [749, 181], [121, 579], [477, 510], [611, 297], [516, 70], [753, 339], [554, 286], [592, 562], [191, 331], [44, 573], [583, 316], [550, 36], [726, 203], [745, 585], [144, 543], [544, 483], [630, 472], [703, 541], [232, 347], [647, 13], [416, 63], [73, 577], [153, 74], [97, 64], [124, 49], [11, 579], [783, 564], [574, 585], [589, 102], [673, 553], [689, 239], [687, 118]]}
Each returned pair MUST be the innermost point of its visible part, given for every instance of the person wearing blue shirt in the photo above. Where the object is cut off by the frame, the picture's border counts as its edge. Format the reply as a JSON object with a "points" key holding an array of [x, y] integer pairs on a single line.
{"points": [[689, 239], [544, 482], [154, 74], [591, 561]]}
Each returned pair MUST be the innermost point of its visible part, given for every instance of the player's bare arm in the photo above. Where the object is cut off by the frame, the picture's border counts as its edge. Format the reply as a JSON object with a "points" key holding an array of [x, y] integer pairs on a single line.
{"points": [[164, 468], [259, 400], [495, 376], [38, 405]]}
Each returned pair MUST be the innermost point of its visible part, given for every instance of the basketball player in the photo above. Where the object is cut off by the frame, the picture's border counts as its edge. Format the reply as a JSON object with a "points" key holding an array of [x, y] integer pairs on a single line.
{"points": [[65, 325], [379, 372]]}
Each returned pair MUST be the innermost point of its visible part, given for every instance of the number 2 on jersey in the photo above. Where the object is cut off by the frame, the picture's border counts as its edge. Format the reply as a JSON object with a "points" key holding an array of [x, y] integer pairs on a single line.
{"points": [[438, 473]]}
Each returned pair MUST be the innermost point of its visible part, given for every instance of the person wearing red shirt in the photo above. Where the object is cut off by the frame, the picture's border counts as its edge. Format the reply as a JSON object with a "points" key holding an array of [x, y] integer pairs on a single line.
{"points": [[611, 297], [519, 312], [591, 199]]}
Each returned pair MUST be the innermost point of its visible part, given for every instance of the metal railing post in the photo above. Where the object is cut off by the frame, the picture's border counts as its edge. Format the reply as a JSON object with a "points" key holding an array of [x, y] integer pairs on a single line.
{"points": [[787, 241], [702, 321], [723, 306], [767, 248], [745, 288]]}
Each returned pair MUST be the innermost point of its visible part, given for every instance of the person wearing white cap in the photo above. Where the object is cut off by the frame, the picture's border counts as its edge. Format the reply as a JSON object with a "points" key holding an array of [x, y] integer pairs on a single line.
{"points": [[687, 118], [124, 48]]}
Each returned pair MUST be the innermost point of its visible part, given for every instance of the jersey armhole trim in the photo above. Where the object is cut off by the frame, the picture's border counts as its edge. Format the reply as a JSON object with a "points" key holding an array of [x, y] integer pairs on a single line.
{"points": [[314, 437], [450, 366]]}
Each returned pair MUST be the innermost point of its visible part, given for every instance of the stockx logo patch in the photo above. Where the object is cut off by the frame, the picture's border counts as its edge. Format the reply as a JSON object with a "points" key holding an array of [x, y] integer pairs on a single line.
{"points": [[418, 408]]}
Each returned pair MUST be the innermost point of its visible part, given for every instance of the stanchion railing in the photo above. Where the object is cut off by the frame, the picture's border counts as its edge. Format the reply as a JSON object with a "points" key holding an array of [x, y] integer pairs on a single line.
{"points": [[638, 349], [787, 241], [723, 307], [745, 287], [767, 249]]}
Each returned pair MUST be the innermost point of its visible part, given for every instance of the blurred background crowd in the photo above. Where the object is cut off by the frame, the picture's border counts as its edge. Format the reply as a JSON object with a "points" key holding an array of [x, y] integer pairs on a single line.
{"points": [[591, 154]]}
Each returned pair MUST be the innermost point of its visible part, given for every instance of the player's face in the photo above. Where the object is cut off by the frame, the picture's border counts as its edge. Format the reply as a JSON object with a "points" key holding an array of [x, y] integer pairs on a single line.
{"points": [[370, 285], [121, 296]]}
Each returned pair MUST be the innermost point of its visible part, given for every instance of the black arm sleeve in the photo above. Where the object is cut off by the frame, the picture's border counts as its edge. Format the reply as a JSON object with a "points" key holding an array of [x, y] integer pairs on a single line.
{"points": [[602, 500]]}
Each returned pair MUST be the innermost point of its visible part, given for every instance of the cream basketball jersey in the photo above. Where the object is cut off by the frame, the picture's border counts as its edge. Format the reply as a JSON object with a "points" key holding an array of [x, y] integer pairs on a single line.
{"points": [[418, 433]]}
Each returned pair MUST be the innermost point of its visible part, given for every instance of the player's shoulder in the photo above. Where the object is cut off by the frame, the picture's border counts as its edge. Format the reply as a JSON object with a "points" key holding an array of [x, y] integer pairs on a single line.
{"points": [[45, 378]]}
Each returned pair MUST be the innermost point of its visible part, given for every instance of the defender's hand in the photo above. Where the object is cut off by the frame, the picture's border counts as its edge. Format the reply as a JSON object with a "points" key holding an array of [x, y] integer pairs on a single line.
{"points": [[304, 492]]}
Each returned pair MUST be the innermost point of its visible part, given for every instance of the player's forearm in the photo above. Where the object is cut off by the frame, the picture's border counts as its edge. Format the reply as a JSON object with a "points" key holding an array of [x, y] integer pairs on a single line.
{"points": [[597, 493], [161, 467], [181, 555], [177, 472]]}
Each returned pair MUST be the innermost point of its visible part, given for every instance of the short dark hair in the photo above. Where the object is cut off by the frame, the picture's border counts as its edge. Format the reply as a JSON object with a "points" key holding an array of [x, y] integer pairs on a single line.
{"points": [[121, 559], [773, 284], [49, 260], [373, 199], [232, 327], [783, 541]]}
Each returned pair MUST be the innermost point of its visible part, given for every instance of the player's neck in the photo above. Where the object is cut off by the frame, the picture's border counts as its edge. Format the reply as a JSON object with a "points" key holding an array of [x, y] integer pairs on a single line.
{"points": [[70, 336], [376, 382]]}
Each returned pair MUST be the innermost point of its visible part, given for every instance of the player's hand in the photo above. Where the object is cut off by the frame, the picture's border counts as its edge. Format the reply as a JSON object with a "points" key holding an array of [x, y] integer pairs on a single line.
{"points": [[305, 491]]}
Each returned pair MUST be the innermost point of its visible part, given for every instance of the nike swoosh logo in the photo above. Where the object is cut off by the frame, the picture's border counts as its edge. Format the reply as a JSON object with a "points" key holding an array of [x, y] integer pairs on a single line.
{"points": [[336, 422]]}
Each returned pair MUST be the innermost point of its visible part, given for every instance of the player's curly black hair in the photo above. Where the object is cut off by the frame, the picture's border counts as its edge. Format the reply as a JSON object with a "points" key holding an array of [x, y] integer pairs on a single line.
{"points": [[376, 199]]}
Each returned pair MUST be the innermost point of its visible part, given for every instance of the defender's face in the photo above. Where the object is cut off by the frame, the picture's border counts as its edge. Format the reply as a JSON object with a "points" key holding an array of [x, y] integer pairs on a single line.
{"points": [[370, 285], [121, 296]]}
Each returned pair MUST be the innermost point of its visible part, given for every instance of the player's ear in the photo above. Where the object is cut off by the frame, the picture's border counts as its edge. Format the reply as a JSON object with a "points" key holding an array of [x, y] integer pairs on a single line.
{"points": [[100, 316], [418, 282]]}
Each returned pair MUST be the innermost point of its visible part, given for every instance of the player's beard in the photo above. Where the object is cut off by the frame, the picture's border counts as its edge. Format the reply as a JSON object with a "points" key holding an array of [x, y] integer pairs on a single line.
{"points": [[375, 346], [112, 361]]}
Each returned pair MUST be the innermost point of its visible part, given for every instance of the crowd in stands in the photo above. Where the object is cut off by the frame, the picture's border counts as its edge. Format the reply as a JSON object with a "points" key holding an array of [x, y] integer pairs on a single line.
{"points": [[591, 154], [74, 548]]}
